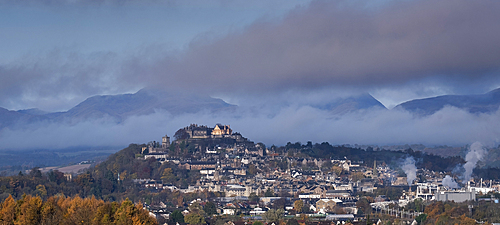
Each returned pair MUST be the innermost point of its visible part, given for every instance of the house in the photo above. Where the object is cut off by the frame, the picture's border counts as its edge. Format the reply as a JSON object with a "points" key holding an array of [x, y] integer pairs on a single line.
{"points": [[156, 155], [338, 194], [199, 165], [228, 211], [327, 204]]}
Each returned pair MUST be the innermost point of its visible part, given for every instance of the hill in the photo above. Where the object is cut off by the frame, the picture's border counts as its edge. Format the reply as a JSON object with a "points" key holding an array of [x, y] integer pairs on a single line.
{"points": [[482, 103], [351, 104], [118, 107], [144, 102]]}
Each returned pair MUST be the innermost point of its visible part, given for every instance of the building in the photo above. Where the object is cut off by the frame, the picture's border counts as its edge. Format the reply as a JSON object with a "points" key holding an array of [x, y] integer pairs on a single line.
{"points": [[165, 142], [456, 196], [199, 165], [220, 130], [195, 133], [426, 191], [327, 204]]}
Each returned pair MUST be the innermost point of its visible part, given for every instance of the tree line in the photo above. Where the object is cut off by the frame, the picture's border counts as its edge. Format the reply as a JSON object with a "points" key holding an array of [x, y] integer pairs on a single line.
{"points": [[72, 210]]}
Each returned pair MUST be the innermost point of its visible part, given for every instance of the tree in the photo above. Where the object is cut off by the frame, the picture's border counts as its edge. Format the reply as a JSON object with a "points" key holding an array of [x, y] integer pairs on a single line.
{"points": [[254, 197], [298, 205], [35, 172], [337, 170], [464, 220], [210, 209], [292, 221], [41, 190], [167, 175], [181, 134], [29, 210], [8, 211], [356, 176], [194, 218], [269, 193], [177, 217], [274, 215], [279, 203], [364, 206], [252, 169], [421, 218]]}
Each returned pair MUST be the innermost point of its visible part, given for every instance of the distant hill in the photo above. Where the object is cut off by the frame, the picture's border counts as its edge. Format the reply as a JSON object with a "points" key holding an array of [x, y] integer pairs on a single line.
{"points": [[32, 111], [483, 103], [350, 104], [119, 107], [9, 118], [144, 102]]}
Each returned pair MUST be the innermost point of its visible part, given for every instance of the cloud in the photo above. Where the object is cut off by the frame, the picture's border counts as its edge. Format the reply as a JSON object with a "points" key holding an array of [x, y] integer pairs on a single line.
{"points": [[398, 45], [294, 123], [60, 78], [338, 43]]}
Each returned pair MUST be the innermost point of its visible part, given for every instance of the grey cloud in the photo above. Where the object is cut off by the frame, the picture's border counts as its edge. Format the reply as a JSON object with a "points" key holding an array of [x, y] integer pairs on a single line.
{"points": [[59, 79], [325, 45], [336, 43]]}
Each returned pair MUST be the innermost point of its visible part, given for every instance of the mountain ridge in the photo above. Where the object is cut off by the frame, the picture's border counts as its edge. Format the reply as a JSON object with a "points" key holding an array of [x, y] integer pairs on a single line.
{"points": [[118, 107], [478, 103]]}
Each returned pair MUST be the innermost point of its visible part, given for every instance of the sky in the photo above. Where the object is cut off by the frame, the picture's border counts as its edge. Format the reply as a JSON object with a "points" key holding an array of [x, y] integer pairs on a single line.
{"points": [[57, 53]]}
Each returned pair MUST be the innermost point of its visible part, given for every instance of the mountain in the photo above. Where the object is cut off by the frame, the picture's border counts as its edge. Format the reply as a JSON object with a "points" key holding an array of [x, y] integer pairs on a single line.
{"points": [[32, 111], [119, 107], [9, 118], [350, 104], [145, 101], [482, 103]]}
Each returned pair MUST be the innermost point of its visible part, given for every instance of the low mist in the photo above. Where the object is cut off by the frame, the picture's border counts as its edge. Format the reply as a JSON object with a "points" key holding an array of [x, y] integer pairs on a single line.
{"points": [[449, 126]]}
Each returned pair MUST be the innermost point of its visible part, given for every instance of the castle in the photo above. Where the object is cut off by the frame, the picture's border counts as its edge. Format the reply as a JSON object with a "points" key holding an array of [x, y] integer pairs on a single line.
{"points": [[198, 134], [203, 132]]}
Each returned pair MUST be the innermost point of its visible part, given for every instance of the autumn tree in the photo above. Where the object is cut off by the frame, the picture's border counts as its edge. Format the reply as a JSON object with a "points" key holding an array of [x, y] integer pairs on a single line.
{"points": [[8, 211], [298, 205], [29, 210]]}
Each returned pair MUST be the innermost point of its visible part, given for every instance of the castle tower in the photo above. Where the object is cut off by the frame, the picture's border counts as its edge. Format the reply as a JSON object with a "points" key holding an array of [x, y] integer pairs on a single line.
{"points": [[165, 142]]}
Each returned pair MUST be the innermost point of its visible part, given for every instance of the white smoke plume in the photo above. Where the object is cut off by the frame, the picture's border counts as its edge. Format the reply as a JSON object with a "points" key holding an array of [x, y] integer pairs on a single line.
{"points": [[410, 169], [476, 153], [448, 181]]}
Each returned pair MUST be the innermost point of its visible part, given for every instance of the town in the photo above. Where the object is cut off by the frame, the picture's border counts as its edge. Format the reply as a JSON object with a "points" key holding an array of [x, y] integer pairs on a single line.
{"points": [[256, 181]]}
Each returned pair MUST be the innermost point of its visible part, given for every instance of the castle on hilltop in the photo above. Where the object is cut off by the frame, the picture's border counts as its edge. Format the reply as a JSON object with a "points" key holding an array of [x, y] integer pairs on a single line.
{"points": [[197, 134], [219, 131], [200, 135]]}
